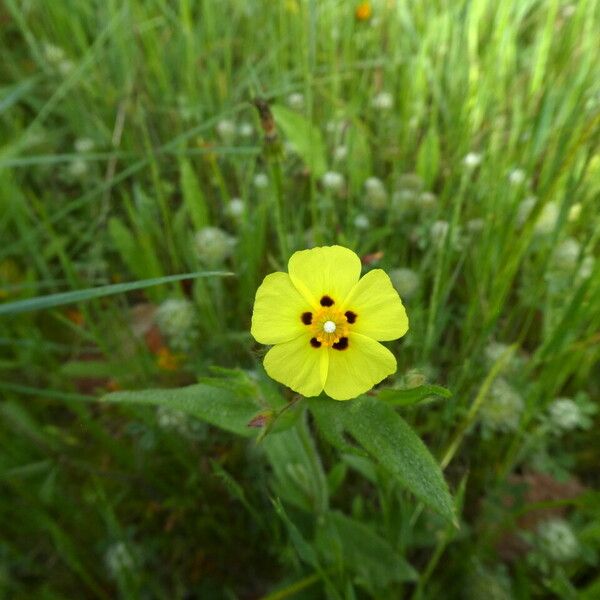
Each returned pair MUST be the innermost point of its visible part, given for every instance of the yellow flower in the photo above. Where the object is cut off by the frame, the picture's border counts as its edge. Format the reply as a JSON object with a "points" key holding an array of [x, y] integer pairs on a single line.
{"points": [[325, 324], [363, 11]]}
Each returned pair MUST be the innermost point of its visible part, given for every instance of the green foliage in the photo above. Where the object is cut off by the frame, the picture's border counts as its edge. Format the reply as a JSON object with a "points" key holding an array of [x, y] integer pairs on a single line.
{"points": [[390, 441], [305, 137], [212, 404], [54, 300], [127, 127]]}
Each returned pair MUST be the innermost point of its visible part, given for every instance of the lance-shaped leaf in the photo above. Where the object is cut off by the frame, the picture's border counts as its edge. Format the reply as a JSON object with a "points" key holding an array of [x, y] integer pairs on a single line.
{"points": [[390, 441], [305, 137], [218, 405]]}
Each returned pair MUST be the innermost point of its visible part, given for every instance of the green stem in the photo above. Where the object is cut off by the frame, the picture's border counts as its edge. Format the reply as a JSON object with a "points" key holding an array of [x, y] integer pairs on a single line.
{"points": [[294, 588], [279, 221]]}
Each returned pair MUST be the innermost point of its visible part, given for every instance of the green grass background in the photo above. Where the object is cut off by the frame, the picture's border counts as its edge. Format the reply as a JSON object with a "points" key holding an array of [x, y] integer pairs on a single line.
{"points": [[190, 508]]}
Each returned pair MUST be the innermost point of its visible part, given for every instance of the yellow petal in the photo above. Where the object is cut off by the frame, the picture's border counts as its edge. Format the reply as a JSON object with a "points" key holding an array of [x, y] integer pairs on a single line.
{"points": [[358, 368], [298, 365], [378, 308], [278, 309], [324, 271]]}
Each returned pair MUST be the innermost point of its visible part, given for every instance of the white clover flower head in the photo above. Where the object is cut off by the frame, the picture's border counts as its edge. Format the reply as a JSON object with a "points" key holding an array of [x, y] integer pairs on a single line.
{"points": [[245, 130], [566, 254], [53, 54], [496, 351], [403, 200], [489, 583], [557, 540], [376, 194], [585, 269], [427, 201], [383, 101], [472, 160], [439, 231], [261, 181], [574, 212], [334, 127], [65, 67], [119, 559], [176, 319], [410, 181], [475, 225], [181, 423], [296, 101], [406, 282], [226, 130], [289, 147], [516, 177], [186, 110], [524, 210], [361, 221], [78, 168], [414, 378], [169, 418], [36, 136], [501, 411], [340, 153], [568, 10], [565, 415], [547, 219], [236, 208], [213, 245], [83, 145], [333, 181]]}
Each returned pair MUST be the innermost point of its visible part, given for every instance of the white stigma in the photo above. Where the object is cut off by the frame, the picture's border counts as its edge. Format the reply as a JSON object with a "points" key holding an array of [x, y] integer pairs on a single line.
{"points": [[329, 326]]}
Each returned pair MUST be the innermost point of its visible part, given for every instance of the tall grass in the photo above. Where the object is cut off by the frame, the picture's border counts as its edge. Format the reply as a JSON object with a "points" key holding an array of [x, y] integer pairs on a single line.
{"points": [[98, 500]]}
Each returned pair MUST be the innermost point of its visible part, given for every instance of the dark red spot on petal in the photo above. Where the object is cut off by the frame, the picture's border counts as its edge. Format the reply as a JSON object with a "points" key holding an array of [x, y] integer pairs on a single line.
{"points": [[327, 301], [315, 343], [342, 344], [306, 318], [351, 316]]}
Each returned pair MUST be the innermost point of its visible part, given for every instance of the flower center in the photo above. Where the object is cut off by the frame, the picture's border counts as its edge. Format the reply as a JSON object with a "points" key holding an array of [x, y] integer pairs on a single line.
{"points": [[329, 325]]}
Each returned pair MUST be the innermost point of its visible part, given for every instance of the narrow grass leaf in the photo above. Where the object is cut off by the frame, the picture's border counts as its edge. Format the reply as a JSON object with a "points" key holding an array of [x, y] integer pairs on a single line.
{"points": [[53, 300]]}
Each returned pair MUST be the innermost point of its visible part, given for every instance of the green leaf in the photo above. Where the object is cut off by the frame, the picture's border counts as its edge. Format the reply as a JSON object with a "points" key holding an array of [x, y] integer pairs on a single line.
{"points": [[330, 424], [193, 198], [306, 138], [126, 244], [354, 546], [428, 158], [53, 300], [216, 405], [406, 397], [299, 476], [303, 548], [389, 440], [359, 154]]}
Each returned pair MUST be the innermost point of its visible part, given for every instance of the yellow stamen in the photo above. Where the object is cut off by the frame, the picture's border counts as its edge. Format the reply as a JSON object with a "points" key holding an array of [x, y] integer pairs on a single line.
{"points": [[329, 325]]}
